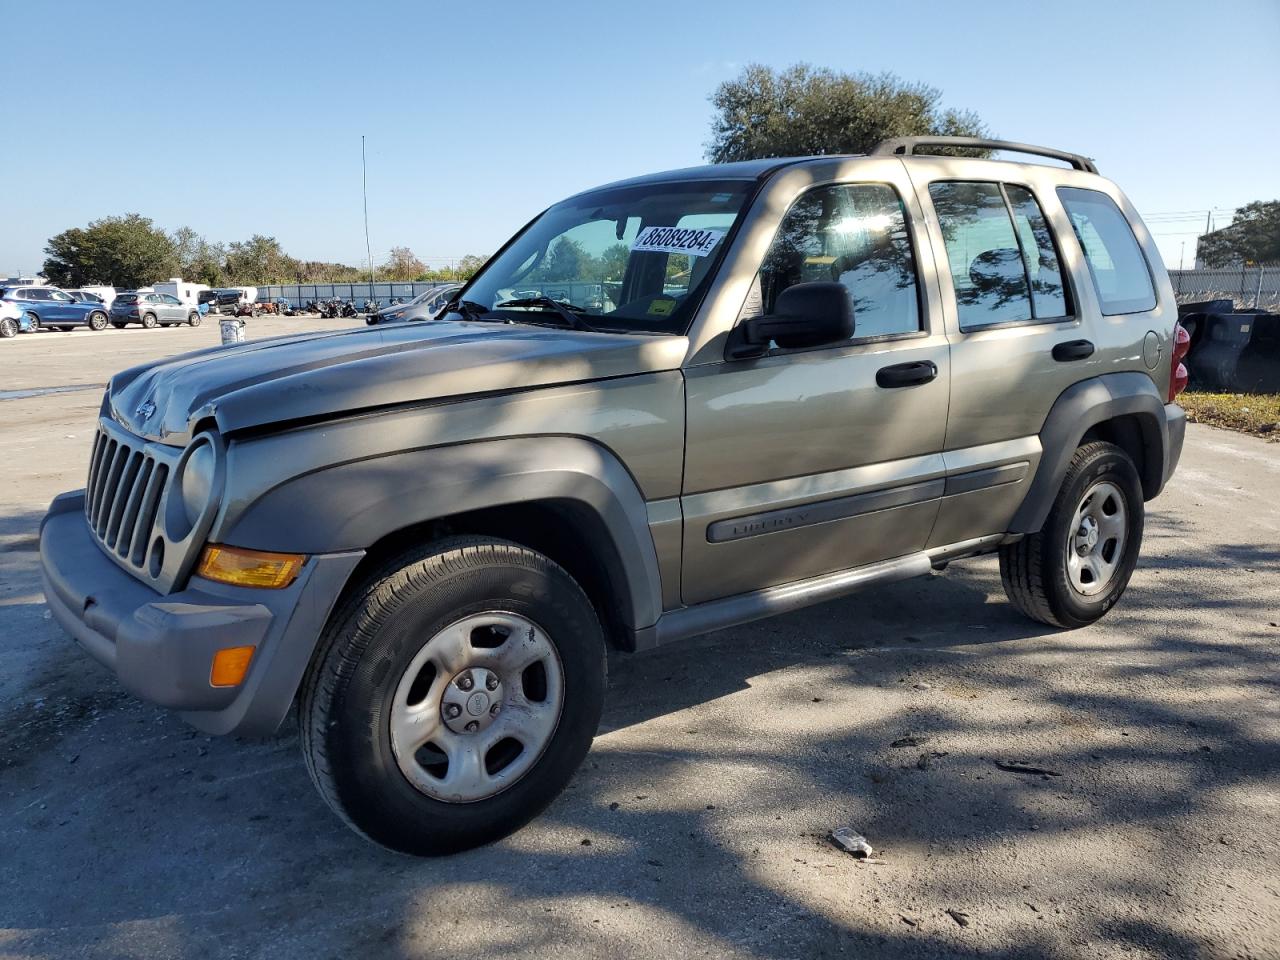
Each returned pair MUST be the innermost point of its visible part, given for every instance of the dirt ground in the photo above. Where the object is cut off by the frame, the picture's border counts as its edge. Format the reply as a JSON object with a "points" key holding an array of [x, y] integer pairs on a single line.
{"points": [[697, 827]]}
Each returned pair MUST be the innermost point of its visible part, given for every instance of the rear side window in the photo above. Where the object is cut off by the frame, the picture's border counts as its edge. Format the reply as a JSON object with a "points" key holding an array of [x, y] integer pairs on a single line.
{"points": [[1004, 267], [1119, 270], [856, 235], [127, 298]]}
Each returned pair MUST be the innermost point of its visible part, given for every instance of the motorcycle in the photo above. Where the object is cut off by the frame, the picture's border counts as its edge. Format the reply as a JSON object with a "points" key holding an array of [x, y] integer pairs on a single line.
{"points": [[348, 309]]}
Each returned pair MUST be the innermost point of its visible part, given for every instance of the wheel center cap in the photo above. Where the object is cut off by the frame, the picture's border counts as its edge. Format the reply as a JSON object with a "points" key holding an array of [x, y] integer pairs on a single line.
{"points": [[472, 700]]}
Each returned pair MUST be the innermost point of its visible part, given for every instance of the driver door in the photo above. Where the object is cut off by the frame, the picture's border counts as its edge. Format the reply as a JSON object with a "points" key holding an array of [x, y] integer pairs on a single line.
{"points": [[804, 462]]}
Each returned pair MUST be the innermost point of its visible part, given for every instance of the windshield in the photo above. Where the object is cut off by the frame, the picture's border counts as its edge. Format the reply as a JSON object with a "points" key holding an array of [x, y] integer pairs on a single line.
{"points": [[631, 259]]}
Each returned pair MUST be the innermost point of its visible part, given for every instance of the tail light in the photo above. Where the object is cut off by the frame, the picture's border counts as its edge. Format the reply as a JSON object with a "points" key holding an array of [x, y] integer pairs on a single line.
{"points": [[1178, 369]]}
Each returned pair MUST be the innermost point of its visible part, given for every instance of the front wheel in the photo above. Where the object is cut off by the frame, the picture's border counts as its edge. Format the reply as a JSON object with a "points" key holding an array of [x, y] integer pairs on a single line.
{"points": [[118, 325], [8, 328], [193, 318], [149, 321], [97, 320], [1077, 566], [453, 695]]}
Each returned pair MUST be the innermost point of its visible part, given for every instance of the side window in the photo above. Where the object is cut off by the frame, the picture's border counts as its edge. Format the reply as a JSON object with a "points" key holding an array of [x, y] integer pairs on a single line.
{"points": [[855, 234], [1048, 291], [1119, 270], [1004, 267]]}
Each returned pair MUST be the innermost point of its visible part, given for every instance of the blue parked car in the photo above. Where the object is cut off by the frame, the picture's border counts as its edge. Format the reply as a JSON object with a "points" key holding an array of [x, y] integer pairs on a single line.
{"points": [[51, 307]]}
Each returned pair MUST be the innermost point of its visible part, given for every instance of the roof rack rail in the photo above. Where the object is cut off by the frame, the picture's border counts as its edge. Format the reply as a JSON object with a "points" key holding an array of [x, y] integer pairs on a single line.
{"points": [[907, 145]]}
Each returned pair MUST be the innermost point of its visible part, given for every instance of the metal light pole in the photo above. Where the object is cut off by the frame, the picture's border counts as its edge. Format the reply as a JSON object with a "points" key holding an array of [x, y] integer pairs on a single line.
{"points": [[364, 189]]}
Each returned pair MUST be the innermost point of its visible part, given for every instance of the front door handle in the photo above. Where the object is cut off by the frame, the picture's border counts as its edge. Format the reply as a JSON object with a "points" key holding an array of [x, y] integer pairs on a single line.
{"points": [[1072, 350], [907, 374]]}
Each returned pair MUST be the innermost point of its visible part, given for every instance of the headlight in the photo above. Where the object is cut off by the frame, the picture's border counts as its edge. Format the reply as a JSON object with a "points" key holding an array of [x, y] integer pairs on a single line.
{"points": [[197, 480]]}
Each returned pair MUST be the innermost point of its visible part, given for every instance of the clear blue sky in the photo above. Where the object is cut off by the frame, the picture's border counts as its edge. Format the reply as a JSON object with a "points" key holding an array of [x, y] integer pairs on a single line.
{"points": [[236, 117]]}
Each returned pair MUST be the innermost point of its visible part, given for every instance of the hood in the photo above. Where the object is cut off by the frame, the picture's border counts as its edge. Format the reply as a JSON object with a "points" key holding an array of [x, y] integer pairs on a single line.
{"points": [[329, 374]]}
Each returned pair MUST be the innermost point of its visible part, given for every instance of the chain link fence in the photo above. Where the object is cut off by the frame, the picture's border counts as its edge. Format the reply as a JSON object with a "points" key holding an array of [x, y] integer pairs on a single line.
{"points": [[300, 294], [1256, 287]]}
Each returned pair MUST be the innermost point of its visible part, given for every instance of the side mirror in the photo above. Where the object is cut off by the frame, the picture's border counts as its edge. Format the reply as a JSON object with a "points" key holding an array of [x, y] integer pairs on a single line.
{"points": [[805, 315]]}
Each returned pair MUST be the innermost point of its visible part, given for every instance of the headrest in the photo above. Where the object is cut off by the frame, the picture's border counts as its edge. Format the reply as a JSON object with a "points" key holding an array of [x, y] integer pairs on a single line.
{"points": [[1003, 263]]}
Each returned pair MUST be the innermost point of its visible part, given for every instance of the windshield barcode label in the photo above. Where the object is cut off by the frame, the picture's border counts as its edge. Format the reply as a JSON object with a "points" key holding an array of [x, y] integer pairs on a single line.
{"points": [[697, 243]]}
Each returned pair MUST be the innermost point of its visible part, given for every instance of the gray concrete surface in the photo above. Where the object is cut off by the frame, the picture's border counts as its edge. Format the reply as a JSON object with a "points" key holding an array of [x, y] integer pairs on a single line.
{"points": [[720, 768]]}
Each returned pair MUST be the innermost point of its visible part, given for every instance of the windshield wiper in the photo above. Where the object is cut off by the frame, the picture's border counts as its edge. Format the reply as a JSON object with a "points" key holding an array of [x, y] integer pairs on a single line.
{"points": [[469, 309], [570, 313]]}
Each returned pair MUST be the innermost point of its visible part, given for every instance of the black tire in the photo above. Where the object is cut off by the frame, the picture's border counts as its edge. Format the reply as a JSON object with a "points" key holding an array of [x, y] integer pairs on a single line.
{"points": [[97, 320], [366, 649], [118, 325], [194, 318], [8, 328], [1034, 570], [33, 323], [149, 321]]}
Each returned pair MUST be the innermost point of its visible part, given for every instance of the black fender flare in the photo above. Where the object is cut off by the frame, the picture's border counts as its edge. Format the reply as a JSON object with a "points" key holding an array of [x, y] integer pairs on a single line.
{"points": [[1081, 407], [353, 505]]}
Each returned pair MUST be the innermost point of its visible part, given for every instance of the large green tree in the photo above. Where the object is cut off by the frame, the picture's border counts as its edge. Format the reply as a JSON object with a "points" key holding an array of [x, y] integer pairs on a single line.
{"points": [[198, 259], [260, 260], [1252, 237], [123, 252], [806, 110]]}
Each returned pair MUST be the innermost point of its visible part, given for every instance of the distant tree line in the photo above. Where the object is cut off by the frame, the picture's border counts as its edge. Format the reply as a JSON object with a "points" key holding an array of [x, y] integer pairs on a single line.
{"points": [[130, 251]]}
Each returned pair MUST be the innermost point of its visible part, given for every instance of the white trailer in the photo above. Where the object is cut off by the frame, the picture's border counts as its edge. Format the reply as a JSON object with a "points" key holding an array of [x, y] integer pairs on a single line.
{"points": [[185, 290]]}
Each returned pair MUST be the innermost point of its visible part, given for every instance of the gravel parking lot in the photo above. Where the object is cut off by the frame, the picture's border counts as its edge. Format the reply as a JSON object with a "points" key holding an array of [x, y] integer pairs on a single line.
{"points": [[697, 827]]}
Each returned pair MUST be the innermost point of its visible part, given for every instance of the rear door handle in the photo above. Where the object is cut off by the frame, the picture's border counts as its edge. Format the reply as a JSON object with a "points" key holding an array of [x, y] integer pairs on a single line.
{"points": [[907, 374], [1072, 350]]}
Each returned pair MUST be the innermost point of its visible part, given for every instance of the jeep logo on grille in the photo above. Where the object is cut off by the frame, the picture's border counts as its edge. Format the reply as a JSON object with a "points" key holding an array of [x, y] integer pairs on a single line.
{"points": [[145, 411]]}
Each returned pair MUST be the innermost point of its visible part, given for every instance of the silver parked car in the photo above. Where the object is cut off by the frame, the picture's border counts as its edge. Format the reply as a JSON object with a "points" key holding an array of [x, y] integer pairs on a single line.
{"points": [[668, 406], [425, 306], [151, 310]]}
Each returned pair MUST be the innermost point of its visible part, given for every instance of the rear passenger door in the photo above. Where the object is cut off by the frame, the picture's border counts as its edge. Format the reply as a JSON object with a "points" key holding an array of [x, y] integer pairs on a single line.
{"points": [[798, 462], [1022, 328]]}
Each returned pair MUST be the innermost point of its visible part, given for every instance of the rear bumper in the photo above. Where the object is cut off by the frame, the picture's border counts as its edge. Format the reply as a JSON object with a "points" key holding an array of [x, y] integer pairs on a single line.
{"points": [[1175, 419], [161, 647]]}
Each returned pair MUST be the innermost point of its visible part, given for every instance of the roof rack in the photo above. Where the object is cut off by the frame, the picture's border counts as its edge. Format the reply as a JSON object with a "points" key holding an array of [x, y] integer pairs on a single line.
{"points": [[907, 145]]}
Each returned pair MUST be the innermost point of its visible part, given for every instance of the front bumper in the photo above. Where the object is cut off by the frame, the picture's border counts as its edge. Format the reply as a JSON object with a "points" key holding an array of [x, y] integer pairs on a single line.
{"points": [[161, 646]]}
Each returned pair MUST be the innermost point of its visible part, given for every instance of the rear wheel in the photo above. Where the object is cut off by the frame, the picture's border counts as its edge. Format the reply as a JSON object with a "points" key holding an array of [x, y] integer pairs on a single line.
{"points": [[8, 328], [453, 695], [97, 320], [118, 325], [33, 323], [149, 321], [194, 318], [1077, 566]]}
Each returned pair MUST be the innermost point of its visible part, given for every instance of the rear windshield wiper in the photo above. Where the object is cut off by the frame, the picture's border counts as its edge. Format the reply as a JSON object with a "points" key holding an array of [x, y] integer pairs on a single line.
{"points": [[570, 313]]}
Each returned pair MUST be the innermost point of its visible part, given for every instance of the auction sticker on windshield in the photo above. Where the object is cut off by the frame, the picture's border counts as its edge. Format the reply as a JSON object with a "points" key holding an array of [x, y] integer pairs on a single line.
{"points": [[697, 243]]}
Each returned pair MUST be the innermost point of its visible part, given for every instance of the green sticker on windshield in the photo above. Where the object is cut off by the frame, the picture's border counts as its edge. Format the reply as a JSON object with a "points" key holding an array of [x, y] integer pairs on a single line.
{"points": [[661, 308]]}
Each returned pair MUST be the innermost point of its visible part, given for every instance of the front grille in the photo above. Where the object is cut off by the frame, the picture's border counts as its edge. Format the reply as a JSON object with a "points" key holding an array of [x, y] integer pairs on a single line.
{"points": [[122, 497]]}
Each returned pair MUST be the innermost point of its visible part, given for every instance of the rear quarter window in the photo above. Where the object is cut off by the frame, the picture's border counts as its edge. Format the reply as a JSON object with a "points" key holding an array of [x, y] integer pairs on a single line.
{"points": [[1120, 272]]}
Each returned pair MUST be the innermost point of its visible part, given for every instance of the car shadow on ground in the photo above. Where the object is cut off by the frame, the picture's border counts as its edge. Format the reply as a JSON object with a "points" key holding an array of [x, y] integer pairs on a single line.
{"points": [[721, 764]]}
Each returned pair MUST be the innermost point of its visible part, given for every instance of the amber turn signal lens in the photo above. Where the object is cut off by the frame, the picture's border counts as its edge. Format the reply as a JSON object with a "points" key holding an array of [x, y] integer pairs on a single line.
{"points": [[230, 664], [249, 568]]}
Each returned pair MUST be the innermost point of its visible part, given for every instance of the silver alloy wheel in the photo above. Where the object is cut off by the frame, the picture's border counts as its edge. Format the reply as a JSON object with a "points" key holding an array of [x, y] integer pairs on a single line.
{"points": [[477, 707], [1096, 538]]}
